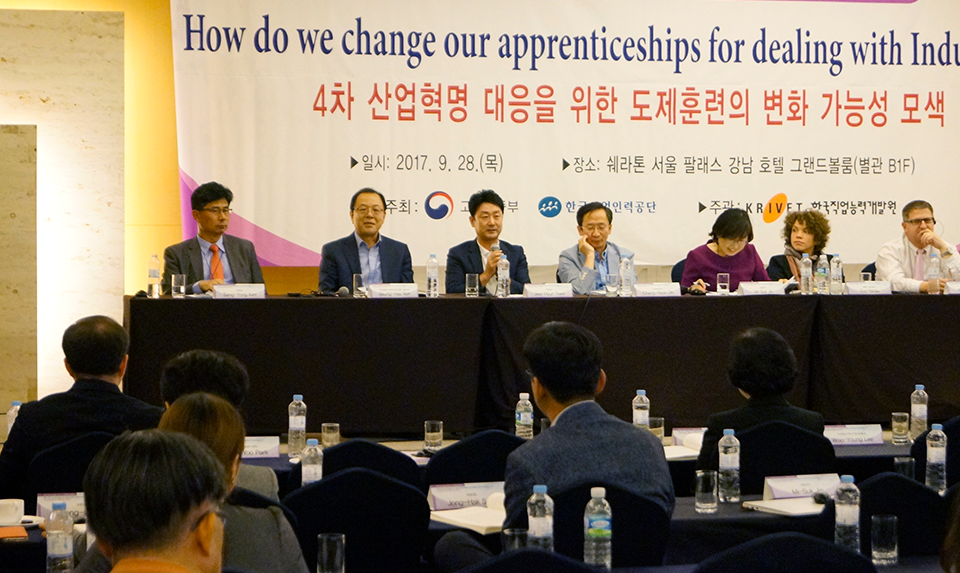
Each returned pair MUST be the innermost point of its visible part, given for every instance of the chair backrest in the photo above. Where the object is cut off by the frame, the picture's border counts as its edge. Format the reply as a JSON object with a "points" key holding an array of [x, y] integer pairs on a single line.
{"points": [[60, 468], [384, 519], [247, 498], [871, 268], [640, 526], [919, 452], [531, 560], [676, 273], [921, 512], [777, 449], [363, 454], [787, 552], [481, 457]]}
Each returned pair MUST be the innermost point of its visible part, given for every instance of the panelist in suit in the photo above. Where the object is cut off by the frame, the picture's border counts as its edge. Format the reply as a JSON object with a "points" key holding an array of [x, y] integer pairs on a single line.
{"points": [[365, 251], [763, 368], [211, 257], [479, 257], [587, 264], [903, 261]]}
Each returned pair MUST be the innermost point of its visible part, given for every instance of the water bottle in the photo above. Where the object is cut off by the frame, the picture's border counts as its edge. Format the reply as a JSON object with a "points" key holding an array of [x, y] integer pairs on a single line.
{"points": [[836, 275], [806, 275], [153, 277], [729, 485], [597, 531], [937, 459], [932, 273], [311, 462], [525, 417], [641, 410], [918, 412], [847, 529], [12, 414], [297, 430], [503, 276], [433, 277], [59, 540], [626, 277], [823, 275], [540, 519]]}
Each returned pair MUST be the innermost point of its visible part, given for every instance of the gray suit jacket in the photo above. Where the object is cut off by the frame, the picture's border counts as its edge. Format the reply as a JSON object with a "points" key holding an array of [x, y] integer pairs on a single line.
{"points": [[587, 445], [259, 479], [185, 259], [572, 268]]}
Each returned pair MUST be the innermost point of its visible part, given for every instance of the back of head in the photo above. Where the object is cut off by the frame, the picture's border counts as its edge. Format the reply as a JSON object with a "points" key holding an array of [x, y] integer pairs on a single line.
{"points": [[142, 491], [217, 373], [566, 359], [732, 224], [95, 346], [762, 363], [210, 419], [481, 197], [208, 193]]}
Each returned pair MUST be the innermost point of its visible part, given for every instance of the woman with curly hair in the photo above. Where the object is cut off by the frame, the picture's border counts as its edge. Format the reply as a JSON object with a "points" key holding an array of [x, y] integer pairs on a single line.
{"points": [[803, 232]]}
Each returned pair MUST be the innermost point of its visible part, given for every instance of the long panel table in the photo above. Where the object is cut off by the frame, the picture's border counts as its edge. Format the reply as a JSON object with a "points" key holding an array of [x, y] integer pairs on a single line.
{"points": [[381, 367]]}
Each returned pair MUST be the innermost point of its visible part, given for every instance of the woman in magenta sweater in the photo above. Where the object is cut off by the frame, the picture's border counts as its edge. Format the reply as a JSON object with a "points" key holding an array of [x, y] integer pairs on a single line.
{"points": [[728, 251]]}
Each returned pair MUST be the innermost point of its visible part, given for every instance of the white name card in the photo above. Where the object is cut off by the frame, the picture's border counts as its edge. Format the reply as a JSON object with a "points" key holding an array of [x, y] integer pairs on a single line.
{"points": [[240, 291], [261, 447], [460, 495], [75, 504], [763, 287], [657, 289], [394, 290], [680, 434], [786, 487], [549, 290], [869, 287], [953, 287], [854, 434]]}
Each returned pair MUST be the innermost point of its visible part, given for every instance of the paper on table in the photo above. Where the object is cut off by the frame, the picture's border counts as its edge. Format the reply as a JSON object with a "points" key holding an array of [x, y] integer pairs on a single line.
{"points": [[694, 441], [798, 506], [680, 453]]}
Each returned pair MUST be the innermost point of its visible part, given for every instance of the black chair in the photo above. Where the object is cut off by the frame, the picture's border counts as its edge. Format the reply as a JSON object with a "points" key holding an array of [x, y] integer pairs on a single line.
{"points": [[787, 553], [919, 452], [384, 519], [479, 458], [871, 268], [921, 512], [676, 273], [777, 449], [60, 469], [531, 560], [363, 454]]}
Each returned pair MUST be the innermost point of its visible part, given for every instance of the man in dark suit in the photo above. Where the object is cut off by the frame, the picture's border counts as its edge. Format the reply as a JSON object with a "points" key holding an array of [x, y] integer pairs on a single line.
{"points": [[481, 256], [763, 368], [365, 251], [95, 350], [211, 257]]}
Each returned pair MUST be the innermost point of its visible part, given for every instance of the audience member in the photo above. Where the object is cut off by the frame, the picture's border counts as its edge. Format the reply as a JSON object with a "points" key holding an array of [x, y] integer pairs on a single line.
{"points": [[728, 251], [587, 264], [804, 232], [950, 552], [903, 261]]}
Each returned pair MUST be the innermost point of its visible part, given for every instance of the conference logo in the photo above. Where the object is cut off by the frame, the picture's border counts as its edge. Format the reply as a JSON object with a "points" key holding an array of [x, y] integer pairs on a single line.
{"points": [[549, 207], [775, 207], [439, 205]]}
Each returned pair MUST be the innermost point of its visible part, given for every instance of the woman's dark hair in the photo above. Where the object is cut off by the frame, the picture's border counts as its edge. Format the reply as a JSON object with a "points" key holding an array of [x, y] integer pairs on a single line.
{"points": [[732, 224], [762, 363]]}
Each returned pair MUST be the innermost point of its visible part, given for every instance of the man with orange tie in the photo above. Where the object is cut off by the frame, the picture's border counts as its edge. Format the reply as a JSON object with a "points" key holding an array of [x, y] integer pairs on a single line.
{"points": [[211, 258]]}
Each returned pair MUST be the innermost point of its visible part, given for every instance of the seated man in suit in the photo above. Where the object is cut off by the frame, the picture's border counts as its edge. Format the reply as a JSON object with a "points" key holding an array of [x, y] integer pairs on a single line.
{"points": [[365, 251], [480, 256], [763, 368], [95, 350], [903, 261], [587, 264], [211, 258]]}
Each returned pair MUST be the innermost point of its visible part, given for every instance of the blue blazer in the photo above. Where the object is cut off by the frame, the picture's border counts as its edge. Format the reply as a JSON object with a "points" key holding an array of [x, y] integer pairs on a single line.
{"points": [[340, 260], [465, 259]]}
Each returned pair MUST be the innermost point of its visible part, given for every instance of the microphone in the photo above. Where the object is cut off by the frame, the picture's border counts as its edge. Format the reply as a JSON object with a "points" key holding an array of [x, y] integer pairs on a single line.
{"points": [[495, 247], [343, 292]]}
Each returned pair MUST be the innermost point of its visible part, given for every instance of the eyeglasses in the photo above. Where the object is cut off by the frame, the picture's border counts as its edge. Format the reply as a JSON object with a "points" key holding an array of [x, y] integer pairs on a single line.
{"points": [[930, 221], [218, 210], [363, 210]]}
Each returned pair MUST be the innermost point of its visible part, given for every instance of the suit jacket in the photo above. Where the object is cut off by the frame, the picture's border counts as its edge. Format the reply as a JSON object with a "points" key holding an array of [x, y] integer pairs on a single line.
{"points": [[185, 259], [340, 260], [757, 411], [259, 479], [587, 445], [465, 259], [573, 269], [88, 406]]}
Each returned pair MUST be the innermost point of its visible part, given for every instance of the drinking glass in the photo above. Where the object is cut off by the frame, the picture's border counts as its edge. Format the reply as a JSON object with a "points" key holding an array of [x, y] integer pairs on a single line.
{"points": [[723, 283], [656, 426], [359, 289], [513, 539], [866, 277], [330, 435], [706, 492], [330, 553], [432, 435], [613, 284], [901, 427], [472, 285], [883, 539], [178, 286], [905, 466]]}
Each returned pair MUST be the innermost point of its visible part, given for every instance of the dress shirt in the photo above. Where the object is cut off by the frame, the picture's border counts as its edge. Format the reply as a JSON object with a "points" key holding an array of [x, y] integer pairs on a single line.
{"points": [[493, 283], [369, 260], [207, 256], [896, 260], [600, 265]]}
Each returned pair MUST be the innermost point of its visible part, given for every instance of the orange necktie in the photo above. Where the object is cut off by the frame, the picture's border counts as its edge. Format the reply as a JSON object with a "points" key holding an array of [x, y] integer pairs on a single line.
{"points": [[216, 267]]}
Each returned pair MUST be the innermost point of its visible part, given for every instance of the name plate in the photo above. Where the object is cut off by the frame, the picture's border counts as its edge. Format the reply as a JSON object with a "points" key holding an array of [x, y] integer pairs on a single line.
{"points": [[261, 447], [763, 287], [786, 487], [460, 495], [869, 287], [240, 291], [854, 434], [657, 289], [681, 434], [75, 504], [394, 290], [549, 290], [953, 287]]}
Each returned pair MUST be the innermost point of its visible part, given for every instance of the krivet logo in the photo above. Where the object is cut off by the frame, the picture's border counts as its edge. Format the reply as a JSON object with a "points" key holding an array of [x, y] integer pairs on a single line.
{"points": [[775, 207], [438, 205], [549, 207]]}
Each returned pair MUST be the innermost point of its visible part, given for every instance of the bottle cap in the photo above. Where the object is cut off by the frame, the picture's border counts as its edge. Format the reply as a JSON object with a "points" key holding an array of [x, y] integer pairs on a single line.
{"points": [[432, 255], [16, 403], [598, 492], [524, 396], [728, 431], [539, 488], [836, 255], [298, 396], [59, 505], [806, 255], [312, 442], [918, 387], [641, 392], [936, 427], [846, 479]]}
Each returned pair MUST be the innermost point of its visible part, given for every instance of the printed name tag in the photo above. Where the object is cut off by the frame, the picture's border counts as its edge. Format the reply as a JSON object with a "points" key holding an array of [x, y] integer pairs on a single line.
{"points": [[240, 291], [75, 504], [394, 290], [261, 447], [953, 287], [854, 434], [460, 495], [786, 487], [764, 287], [870, 287], [680, 434], [550, 290], [657, 289]]}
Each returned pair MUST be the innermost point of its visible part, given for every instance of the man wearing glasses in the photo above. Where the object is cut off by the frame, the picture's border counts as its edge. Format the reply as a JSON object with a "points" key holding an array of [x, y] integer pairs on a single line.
{"points": [[211, 258], [365, 251], [903, 261], [587, 264]]}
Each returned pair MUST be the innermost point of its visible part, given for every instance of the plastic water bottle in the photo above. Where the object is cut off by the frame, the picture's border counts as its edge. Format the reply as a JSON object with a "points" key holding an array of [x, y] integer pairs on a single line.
{"points": [[12, 414], [540, 519], [823, 275], [153, 277], [297, 430], [806, 275], [937, 459], [59, 540], [311, 462], [836, 275], [932, 273], [626, 277], [918, 412], [503, 276], [847, 529], [641, 410], [525, 417], [433, 277], [729, 476], [597, 531]]}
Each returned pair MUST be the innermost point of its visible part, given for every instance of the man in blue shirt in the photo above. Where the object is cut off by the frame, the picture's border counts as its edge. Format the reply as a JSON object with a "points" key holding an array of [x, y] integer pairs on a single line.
{"points": [[587, 264]]}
